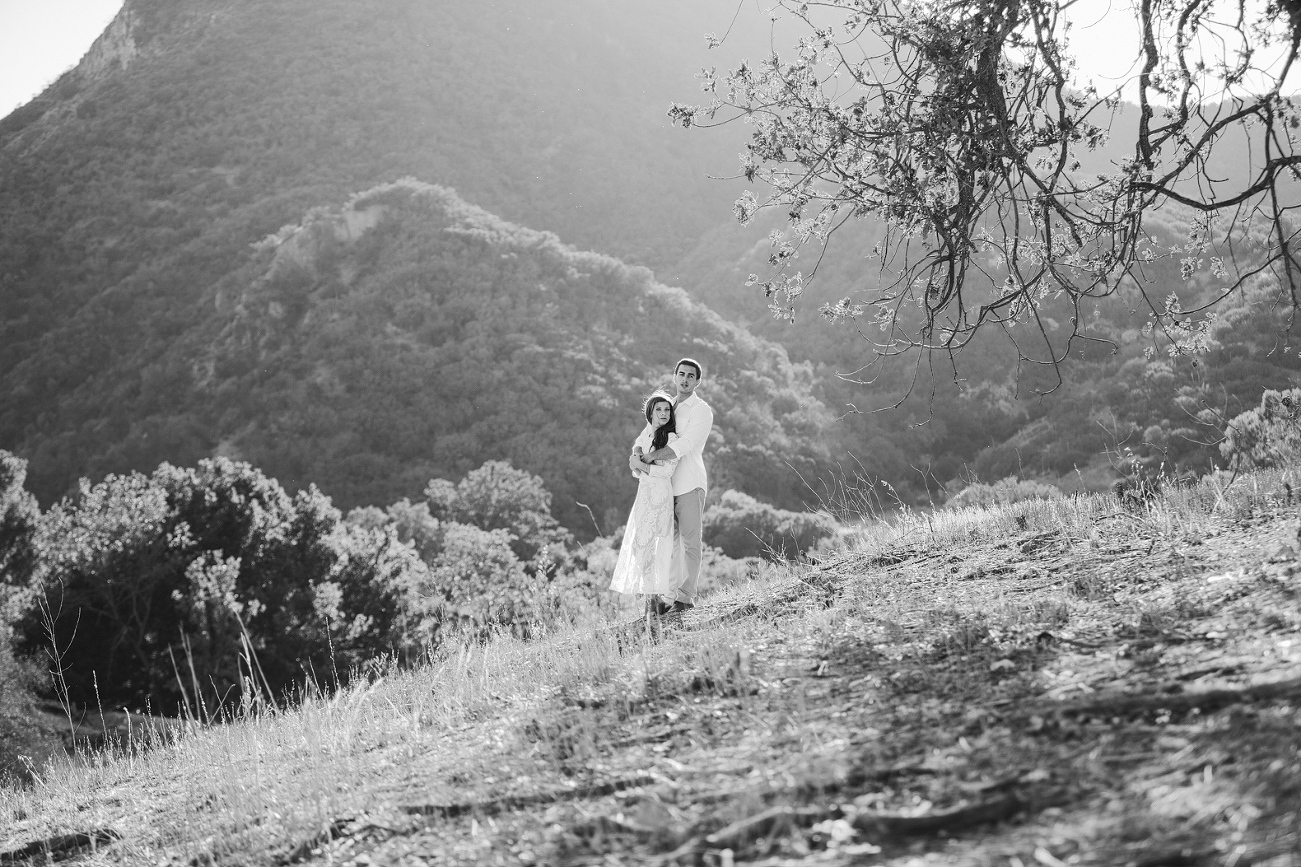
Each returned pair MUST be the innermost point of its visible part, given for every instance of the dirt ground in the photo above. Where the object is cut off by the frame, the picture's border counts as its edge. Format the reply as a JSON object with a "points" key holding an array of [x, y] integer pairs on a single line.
{"points": [[1127, 697]]}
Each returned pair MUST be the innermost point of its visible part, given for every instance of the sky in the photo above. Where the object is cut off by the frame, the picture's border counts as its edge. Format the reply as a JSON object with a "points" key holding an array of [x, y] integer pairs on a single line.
{"points": [[41, 39]]}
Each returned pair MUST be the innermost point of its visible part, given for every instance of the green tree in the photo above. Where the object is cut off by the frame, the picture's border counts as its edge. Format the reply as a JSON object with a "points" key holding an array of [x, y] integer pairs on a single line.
{"points": [[496, 496], [416, 526], [742, 526]]}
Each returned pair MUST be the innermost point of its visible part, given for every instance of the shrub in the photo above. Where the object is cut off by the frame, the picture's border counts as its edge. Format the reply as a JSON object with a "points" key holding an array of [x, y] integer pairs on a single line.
{"points": [[742, 526], [19, 519], [19, 516], [26, 737], [1002, 492], [473, 537], [719, 571], [416, 526], [497, 496], [1267, 436], [137, 572], [475, 583]]}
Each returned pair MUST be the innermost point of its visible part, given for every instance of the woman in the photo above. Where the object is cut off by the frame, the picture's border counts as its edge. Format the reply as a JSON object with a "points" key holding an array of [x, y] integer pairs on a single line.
{"points": [[646, 555]]}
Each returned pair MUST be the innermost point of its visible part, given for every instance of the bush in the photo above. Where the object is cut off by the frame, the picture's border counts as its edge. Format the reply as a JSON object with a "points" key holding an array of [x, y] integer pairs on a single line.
{"points": [[416, 526], [26, 739], [719, 571], [495, 556], [138, 572], [497, 496], [19, 515], [1003, 492], [742, 526], [1267, 436], [476, 583]]}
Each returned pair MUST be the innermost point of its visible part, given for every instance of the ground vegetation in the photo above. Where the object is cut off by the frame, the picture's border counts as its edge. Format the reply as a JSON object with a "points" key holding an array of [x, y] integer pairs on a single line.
{"points": [[191, 591], [1054, 681]]}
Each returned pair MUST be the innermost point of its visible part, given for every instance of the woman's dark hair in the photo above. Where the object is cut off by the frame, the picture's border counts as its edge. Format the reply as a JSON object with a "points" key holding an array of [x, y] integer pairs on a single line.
{"points": [[661, 437]]}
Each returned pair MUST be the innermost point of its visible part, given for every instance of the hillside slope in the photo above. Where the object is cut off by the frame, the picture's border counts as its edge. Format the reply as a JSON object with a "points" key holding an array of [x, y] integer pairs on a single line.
{"points": [[134, 186], [551, 115], [1050, 683], [407, 335]]}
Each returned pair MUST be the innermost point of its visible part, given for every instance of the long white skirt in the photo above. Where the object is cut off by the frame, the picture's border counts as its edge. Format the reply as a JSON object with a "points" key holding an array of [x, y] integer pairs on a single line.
{"points": [[646, 558]]}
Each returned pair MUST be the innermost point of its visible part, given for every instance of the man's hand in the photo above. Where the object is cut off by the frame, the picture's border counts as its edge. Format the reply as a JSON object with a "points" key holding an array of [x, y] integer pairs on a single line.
{"points": [[635, 462]]}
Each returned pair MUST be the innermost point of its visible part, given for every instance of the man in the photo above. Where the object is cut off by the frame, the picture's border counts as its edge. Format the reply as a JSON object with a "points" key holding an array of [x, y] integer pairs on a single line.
{"points": [[694, 421]]}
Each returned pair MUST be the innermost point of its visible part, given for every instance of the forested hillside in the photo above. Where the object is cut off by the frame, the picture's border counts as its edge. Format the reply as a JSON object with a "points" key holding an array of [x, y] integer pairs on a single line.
{"points": [[406, 336], [989, 412], [136, 325], [144, 317]]}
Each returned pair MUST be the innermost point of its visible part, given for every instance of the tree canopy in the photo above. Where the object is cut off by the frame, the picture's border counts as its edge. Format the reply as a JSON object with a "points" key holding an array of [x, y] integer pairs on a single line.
{"points": [[1007, 187]]}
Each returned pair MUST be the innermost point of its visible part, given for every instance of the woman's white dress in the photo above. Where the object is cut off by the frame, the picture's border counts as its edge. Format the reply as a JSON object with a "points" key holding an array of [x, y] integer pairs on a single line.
{"points": [[646, 556]]}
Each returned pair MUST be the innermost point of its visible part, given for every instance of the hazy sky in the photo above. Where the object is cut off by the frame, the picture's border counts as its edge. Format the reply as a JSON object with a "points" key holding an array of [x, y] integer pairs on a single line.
{"points": [[39, 39]]}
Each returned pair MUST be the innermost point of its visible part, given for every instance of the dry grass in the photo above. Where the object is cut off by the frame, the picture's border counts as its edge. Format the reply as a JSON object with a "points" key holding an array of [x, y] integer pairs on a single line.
{"points": [[932, 657], [266, 780]]}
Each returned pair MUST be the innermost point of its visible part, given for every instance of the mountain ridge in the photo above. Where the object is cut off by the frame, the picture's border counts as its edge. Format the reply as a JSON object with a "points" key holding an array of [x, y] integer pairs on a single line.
{"points": [[133, 188], [408, 335]]}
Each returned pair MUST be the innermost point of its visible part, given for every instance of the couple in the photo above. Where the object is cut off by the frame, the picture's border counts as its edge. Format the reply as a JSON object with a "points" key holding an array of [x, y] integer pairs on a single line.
{"points": [[660, 555]]}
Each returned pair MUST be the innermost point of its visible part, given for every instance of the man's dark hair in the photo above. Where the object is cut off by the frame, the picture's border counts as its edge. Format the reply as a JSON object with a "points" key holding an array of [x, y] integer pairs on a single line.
{"points": [[700, 371]]}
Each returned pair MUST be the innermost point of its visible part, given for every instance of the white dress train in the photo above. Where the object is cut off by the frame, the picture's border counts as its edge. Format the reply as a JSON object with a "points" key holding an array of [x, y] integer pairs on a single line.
{"points": [[646, 558]]}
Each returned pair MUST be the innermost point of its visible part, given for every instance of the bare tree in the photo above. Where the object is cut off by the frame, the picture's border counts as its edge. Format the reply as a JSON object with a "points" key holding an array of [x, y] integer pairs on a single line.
{"points": [[962, 126]]}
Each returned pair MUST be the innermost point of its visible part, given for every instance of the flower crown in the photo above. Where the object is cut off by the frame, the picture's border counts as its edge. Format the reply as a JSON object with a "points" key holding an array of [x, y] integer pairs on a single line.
{"points": [[655, 395]]}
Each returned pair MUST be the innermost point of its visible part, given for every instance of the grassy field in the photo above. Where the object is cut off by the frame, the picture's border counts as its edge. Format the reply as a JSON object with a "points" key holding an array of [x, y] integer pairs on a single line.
{"points": [[1051, 682]]}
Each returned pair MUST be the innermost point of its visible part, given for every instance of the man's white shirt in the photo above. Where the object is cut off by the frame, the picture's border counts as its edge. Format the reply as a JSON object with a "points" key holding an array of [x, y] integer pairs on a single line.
{"points": [[694, 420]]}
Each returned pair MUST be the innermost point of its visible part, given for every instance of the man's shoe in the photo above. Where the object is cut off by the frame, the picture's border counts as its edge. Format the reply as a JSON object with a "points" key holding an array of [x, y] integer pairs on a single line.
{"points": [[657, 607], [679, 607]]}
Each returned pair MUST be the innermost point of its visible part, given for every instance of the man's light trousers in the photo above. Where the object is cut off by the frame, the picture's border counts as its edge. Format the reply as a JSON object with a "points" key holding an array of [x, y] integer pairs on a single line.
{"points": [[688, 514]]}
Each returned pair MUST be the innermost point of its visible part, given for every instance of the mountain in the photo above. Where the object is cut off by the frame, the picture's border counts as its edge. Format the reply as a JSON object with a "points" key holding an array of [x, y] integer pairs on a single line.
{"points": [[407, 335], [133, 189], [551, 115], [145, 317]]}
